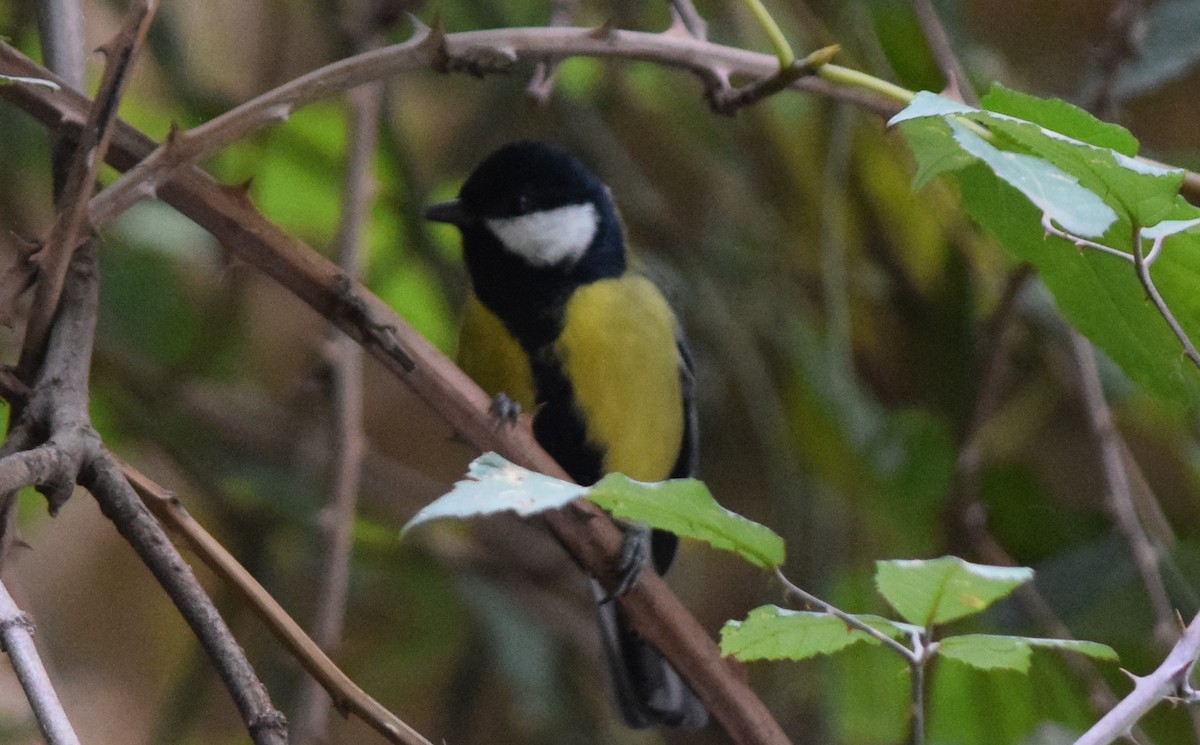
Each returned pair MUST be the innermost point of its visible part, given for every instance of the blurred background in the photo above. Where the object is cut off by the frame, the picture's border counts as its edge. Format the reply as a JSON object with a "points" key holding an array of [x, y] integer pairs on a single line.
{"points": [[876, 378]]}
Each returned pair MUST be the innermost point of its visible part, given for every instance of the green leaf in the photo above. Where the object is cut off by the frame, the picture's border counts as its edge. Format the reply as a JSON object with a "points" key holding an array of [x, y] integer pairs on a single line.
{"points": [[1060, 116], [686, 507], [1100, 295], [936, 591], [1052, 190], [773, 633], [496, 485], [990, 652]]}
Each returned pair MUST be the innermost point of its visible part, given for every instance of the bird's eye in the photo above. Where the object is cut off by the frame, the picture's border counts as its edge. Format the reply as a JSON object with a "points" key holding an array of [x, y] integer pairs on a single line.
{"points": [[521, 204]]}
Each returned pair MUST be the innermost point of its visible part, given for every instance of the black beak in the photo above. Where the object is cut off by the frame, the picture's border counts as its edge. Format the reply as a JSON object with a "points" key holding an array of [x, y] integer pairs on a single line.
{"points": [[450, 212]]}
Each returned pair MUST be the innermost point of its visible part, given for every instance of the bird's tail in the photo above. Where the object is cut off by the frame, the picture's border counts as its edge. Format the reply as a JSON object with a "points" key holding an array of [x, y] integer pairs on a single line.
{"points": [[649, 692]]}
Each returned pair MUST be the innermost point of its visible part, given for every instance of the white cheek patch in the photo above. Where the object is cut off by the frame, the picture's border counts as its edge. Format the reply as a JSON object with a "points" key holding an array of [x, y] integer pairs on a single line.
{"points": [[549, 237]]}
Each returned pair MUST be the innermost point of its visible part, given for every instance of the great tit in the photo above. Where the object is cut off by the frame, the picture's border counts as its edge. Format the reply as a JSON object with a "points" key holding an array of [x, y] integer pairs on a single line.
{"points": [[561, 322]]}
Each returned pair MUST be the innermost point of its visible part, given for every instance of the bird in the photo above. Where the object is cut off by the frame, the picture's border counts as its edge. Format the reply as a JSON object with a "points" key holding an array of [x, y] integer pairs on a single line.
{"points": [[563, 322]]}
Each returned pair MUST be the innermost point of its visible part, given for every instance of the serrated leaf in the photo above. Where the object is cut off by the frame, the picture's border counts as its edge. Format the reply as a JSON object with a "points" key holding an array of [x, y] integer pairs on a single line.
{"points": [[685, 507], [985, 652], [926, 104], [992, 652], [1169, 227], [496, 485], [930, 592], [1059, 116], [1100, 295], [773, 633], [1052, 190]]}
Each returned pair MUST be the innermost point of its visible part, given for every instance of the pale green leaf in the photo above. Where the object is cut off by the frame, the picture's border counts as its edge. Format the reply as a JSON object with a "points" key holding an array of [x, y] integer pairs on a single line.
{"points": [[773, 633], [930, 592], [686, 507], [496, 485]]}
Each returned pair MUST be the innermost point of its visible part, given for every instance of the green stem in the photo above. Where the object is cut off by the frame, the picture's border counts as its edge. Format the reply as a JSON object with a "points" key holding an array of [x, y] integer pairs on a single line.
{"points": [[847, 76], [783, 50]]}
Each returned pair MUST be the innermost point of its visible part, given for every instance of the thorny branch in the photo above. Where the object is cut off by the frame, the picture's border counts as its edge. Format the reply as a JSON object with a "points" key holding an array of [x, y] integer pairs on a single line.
{"points": [[1173, 678], [592, 538], [81, 178], [347, 696]]}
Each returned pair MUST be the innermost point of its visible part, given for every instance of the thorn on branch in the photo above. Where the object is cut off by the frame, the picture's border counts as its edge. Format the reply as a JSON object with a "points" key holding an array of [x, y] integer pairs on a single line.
{"points": [[354, 309], [729, 101]]}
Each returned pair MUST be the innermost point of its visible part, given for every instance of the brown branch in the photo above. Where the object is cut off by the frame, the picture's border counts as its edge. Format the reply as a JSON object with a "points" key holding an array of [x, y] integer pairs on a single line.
{"points": [[346, 694], [475, 51], [16, 638], [958, 85], [119, 503], [585, 531], [348, 437], [55, 256], [1118, 492]]}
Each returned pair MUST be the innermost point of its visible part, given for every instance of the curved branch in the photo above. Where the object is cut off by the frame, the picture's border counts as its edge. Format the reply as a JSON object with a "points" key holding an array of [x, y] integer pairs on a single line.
{"points": [[346, 694], [583, 529], [16, 635], [134, 522], [1172, 678], [474, 51]]}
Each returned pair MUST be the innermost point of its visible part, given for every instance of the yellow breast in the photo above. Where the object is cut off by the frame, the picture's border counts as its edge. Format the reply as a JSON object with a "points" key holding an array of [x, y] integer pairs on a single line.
{"points": [[618, 349]]}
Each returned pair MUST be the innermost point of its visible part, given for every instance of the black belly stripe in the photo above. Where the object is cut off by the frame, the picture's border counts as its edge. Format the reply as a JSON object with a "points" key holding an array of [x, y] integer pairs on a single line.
{"points": [[557, 424]]}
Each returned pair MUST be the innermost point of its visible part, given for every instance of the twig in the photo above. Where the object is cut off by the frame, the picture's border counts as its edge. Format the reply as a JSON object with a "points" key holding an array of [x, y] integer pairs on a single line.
{"points": [[1172, 678], [491, 50], [16, 635], [348, 439], [588, 535], [729, 101], [346, 694], [1142, 265], [957, 82], [855, 623], [541, 83], [1117, 489], [690, 18], [60, 30], [120, 504], [1122, 41], [54, 258], [915, 657]]}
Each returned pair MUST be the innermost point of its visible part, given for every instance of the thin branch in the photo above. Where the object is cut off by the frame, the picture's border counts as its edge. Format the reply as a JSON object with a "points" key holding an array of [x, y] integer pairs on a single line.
{"points": [[1172, 678], [855, 623], [1141, 263], [60, 30], [16, 636], [1118, 494], [134, 522], [541, 84], [348, 437], [690, 18], [586, 532], [1143, 272], [957, 82], [54, 258], [346, 694], [1122, 42], [475, 51]]}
